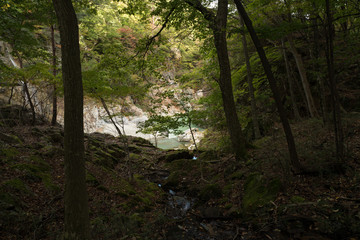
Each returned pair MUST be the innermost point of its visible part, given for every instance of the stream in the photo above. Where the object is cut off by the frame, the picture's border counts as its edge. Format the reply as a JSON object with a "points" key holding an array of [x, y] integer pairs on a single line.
{"points": [[190, 220]]}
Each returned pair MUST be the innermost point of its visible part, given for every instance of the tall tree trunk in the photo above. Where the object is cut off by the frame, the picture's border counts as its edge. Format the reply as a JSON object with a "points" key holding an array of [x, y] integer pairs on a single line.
{"points": [[296, 166], [77, 224], [254, 112], [339, 137], [234, 127], [109, 115], [54, 97], [301, 68], [218, 25], [290, 82]]}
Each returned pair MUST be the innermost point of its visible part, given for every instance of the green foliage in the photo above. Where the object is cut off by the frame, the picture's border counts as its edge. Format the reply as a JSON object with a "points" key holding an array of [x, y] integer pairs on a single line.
{"points": [[161, 125]]}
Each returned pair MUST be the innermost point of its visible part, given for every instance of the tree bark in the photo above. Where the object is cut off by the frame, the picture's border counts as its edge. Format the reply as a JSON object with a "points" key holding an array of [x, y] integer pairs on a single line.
{"points": [[254, 112], [76, 199], [218, 25], [290, 82], [296, 166], [234, 127], [301, 68], [339, 137], [54, 97]]}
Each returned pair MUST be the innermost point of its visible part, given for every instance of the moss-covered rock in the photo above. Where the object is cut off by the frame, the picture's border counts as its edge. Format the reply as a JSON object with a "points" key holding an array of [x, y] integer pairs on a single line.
{"points": [[173, 181], [116, 151], [258, 191], [8, 154], [210, 191], [55, 137], [176, 155], [38, 171], [9, 138], [142, 142], [50, 151], [134, 149]]}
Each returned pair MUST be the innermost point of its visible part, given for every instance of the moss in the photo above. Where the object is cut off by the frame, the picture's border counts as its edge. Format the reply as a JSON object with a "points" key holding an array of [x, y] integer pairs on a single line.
{"points": [[38, 173], [210, 191], [102, 188], [10, 139], [184, 165], [8, 201], [16, 185], [124, 188], [173, 180], [258, 192], [228, 189], [116, 151], [228, 205], [134, 149], [8, 154], [297, 199], [176, 155], [237, 175], [103, 160], [91, 180], [51, 151], [134, 156]]}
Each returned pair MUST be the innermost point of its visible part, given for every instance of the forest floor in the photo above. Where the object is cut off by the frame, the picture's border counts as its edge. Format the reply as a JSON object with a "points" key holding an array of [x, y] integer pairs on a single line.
{"points": [[141, 192]]}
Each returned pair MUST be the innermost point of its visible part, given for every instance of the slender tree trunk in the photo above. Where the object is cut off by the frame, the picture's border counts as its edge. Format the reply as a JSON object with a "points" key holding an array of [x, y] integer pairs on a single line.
{"points": [[28, 95], [234, 127], [254, 112], [54, 97], [320, 80], [218, 26], [290, 81], [339, 137], [11, 94], [272, 82], [192, 134], [301, 68], [77, 224], [109, 115], [32, 107]]}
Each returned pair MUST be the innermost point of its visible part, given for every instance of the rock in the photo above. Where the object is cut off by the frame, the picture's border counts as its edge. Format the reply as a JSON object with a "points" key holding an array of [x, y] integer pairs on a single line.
{"points": [[210, 191], [142, 142], [175, 155]]}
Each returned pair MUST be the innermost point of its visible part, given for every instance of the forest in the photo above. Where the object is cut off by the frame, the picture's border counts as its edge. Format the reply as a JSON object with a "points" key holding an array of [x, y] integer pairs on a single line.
{"points": [[180, 119]]}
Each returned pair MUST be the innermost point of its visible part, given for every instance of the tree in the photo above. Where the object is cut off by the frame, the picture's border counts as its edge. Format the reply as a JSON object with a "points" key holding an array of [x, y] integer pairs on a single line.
{"points": [[339, 137], [272, 82], [254, 113], [217, 23], [77, 224], [53, 58]]}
